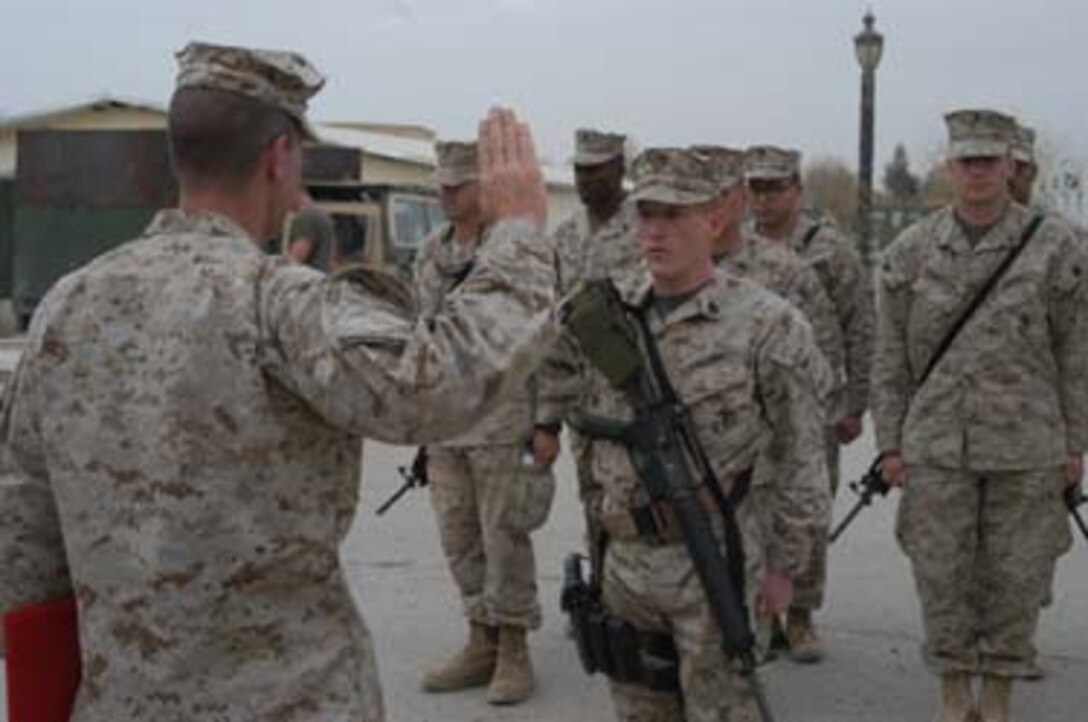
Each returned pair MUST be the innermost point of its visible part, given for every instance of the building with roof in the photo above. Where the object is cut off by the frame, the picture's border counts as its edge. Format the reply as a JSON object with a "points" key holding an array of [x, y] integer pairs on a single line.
{"points": [[391, 153]]}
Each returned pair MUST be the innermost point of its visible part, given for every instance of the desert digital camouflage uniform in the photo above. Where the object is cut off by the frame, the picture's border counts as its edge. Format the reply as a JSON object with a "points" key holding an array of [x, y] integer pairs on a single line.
{"points": [[746, 366], [187, 412], [986, 438], [849, 286], [778, 269], [485, 499], [584, 252]]}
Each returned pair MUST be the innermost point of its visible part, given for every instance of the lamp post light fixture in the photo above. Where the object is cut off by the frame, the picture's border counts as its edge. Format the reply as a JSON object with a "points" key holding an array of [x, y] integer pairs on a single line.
{"points": [[869, 46]]}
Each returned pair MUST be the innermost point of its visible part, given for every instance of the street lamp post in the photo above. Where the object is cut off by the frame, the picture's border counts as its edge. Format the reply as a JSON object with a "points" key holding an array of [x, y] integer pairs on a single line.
{"points": [[869, 46]]}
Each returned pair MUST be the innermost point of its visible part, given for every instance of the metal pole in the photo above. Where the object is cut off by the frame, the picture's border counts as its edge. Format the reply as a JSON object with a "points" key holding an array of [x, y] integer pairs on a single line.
{"points": [[865, 164]]}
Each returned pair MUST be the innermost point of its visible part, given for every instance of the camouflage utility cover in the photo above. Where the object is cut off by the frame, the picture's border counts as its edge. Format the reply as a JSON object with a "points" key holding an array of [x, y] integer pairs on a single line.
{"points": [[675, 176], [278, 78]]}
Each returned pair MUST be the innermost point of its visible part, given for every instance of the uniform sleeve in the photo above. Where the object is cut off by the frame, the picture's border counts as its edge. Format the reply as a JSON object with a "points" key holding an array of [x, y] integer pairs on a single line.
{"points": [[356, 350], [564, 241], [559, 378], [33, 565], [425, 276], [1069, 318], [854, 307], [791, 371], [892, 382], [807, 293]]}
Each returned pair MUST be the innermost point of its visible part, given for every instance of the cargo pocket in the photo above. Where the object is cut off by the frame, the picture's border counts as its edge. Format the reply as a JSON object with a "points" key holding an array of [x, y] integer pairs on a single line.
{"points": [[529, 498]]}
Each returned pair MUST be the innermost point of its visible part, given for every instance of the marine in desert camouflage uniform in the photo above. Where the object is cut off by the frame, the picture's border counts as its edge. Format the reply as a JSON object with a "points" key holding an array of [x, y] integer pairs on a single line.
{"points": [[487, 495], [984, 447], [597, 241], [187, 415], [774, 181], [746, 366]]}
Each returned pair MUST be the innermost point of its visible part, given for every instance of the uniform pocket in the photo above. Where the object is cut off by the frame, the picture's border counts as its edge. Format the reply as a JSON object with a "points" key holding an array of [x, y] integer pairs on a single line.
{"points": [[529, 498]]}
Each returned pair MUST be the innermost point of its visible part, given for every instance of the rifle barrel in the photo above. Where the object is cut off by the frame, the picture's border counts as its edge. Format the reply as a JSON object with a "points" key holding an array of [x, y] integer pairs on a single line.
{"points": [[409, 482], [861, 504]]}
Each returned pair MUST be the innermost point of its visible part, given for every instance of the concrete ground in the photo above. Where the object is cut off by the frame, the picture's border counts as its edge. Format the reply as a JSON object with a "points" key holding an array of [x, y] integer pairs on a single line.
{"points": [[871, 623]]}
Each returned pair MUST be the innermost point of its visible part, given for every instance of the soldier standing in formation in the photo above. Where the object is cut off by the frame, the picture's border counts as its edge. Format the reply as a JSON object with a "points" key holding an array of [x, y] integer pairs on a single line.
{"points": [[487, 494], [596, 241], [187, 413], [1025, 169], [774, 181], [984, 431], [746, 367], [773, 265]]}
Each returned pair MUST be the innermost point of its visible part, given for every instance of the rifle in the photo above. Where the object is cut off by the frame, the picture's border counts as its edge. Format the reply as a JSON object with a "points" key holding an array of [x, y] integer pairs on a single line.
{"points": [[867, 488], [1074, 497], [414, 476], [669, 459]]}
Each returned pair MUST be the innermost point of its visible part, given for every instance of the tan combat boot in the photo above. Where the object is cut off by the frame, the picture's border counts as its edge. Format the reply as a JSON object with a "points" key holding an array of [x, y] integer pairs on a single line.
{"points": [[805, 645], [993, 701], [957, 701], [473, 666], [513, 681]]}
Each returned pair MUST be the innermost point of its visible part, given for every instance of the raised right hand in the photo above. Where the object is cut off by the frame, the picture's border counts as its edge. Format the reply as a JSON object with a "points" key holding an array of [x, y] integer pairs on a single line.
{"points": [[511, 184]]}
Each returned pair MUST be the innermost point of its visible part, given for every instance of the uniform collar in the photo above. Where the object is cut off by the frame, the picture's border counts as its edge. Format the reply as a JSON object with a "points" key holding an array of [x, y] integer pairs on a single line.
{"points": [[706, 303], [174, 221], [1003, 235]]}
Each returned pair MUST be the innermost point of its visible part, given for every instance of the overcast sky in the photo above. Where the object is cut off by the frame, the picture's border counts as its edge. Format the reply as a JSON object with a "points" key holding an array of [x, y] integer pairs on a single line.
{"points": [[667, 71]]}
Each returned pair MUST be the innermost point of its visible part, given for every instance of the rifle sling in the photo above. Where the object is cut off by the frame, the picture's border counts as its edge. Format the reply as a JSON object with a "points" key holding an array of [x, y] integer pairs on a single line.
{"points": [[979, 298], [809, 235], [734, 541]]}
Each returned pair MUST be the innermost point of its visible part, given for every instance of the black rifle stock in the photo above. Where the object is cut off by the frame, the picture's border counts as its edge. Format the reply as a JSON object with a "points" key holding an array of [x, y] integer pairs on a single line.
{"points": [[414, 476], [668, 458], [867, 488]]}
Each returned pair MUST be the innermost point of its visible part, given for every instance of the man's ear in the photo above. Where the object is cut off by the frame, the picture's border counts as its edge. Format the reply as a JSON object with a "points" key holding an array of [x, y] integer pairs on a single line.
{"points": [[716, 215], [277, 157]]}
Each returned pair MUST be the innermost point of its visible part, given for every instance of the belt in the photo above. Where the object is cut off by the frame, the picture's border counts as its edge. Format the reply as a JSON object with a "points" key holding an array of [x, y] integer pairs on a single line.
{"points": [[655, 522]]}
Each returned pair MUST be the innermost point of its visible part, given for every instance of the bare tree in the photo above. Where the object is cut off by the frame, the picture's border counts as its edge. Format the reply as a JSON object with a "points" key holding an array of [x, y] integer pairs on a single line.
{"points": [[832, 188]]}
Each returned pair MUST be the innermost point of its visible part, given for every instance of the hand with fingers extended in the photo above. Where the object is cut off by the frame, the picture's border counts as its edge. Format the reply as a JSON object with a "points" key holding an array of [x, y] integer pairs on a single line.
{"points": [[511, 183]]}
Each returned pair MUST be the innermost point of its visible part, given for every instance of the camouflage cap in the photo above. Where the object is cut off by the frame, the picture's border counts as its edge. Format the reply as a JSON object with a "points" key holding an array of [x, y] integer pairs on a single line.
{"points": [[979, 133], [282, 79], [458, 162], [1023, 148], [677, 176], [728, 163], [767, 162], [592, 147]]}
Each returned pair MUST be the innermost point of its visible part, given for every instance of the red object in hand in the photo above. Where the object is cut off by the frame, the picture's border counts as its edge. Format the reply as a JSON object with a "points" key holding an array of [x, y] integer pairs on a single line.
{"points": [[43, 664]]}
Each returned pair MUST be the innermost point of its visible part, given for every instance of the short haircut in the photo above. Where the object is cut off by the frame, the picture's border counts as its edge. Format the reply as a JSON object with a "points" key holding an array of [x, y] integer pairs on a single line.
{"points": [[217, 136]]}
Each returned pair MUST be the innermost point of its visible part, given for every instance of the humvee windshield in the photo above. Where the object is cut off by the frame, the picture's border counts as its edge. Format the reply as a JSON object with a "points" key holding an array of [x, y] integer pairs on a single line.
{"points": [[412, 219]]}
